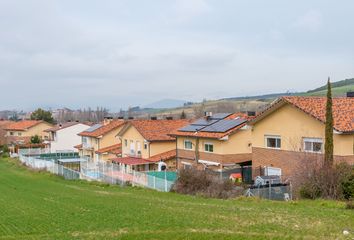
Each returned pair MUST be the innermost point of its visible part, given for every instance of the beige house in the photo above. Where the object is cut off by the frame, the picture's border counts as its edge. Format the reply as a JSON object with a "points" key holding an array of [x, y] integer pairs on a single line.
{"points": [[145, 143], [99, 142], [290, 134], [220, 143], [20, 133]]}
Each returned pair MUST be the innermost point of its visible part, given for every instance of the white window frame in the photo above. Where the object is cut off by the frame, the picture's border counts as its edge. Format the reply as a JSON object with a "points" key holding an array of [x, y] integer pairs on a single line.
{"points": [[312, 140], [184, 144], [266, 137], [205, 148]]}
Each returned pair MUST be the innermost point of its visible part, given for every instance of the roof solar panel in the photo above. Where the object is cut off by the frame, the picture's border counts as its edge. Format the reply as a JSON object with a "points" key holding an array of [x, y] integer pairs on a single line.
{"points": [[191, 128], [204, 122], [223, 125], [94, 128], [219, 116]]}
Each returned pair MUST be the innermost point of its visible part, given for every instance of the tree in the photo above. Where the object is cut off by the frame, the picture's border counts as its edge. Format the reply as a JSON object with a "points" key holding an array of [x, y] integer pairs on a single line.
{"points": [[328, 157], [41, 114], [183, 115], [35, 139]]}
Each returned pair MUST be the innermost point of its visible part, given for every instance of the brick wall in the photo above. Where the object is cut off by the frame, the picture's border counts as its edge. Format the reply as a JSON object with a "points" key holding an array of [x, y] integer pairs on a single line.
{"points": [[293, 164]]}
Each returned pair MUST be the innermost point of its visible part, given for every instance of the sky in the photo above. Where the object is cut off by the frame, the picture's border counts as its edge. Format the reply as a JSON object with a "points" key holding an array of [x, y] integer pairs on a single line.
{"points": [[121, 53]]}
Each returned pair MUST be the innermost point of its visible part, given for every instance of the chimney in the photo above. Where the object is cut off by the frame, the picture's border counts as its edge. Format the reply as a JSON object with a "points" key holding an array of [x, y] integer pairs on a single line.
{"points": [[350, 94], [107, 120], [153, 118], [120, 117], [208, 114], [169, 118], [251, 113], [130, 118]]}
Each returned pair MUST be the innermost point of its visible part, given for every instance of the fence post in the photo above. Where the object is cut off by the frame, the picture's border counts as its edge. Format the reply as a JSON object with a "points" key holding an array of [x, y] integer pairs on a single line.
{"points": [[154, 182], [165, 182]]}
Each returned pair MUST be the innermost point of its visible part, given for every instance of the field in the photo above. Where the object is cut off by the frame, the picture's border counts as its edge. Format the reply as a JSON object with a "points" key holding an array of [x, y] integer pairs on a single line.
{"points": [[37, 205]]}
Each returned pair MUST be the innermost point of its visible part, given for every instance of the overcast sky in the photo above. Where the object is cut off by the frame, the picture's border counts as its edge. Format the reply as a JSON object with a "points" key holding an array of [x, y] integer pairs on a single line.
{"points": [[122, 53]]}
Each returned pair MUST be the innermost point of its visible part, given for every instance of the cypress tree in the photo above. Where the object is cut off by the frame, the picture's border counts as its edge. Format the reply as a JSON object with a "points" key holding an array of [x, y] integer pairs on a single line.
{"points": [[328, 158]]}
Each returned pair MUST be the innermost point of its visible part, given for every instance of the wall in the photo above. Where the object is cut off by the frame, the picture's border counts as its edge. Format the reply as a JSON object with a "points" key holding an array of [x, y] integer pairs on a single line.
{"points": [[133, 134], [67, 138]]}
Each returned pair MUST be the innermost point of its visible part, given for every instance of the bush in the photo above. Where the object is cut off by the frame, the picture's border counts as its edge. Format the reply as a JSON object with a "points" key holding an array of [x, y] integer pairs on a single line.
{"points": [[350, 205], [335, 182], [194, 182]]}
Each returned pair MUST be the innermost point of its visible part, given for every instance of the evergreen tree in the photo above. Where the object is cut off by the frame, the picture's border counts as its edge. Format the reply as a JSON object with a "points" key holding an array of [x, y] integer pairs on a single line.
{"points": [[329, 128], [41, 114], [183, 115]]}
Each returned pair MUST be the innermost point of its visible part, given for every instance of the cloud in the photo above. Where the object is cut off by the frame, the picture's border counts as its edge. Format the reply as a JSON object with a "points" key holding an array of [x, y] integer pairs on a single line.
{"points": [[187, 10], [310, 21]]}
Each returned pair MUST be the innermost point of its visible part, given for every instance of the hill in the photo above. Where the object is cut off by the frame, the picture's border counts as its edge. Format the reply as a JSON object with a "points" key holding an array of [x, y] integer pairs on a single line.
{"points": [[166, 103], [339, 88], [37, 205]]}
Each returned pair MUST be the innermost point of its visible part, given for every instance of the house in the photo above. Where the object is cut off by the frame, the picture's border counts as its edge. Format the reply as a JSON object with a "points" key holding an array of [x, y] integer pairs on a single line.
{"points": [[3, 125], [219, 143], [99, 142], [290, 134], [20, 133], [64, 136], [146, 144]]}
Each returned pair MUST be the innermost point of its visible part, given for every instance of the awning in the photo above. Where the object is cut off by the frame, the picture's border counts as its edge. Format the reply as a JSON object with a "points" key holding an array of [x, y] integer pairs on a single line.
{"points": [[132, 161], [210, 163]]}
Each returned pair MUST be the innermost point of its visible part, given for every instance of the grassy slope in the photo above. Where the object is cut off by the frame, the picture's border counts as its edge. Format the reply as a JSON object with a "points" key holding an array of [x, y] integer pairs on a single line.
{"points": [[336, 91], [41, 206]]}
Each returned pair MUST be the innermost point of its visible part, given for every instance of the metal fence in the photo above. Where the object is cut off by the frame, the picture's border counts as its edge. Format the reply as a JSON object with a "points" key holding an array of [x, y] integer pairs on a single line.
{"points": [[279, 192], [104, 172]]}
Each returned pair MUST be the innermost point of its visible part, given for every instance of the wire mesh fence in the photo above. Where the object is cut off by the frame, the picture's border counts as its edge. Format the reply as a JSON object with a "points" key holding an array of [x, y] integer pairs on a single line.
{"points": [[104, 172], [280, 192]]}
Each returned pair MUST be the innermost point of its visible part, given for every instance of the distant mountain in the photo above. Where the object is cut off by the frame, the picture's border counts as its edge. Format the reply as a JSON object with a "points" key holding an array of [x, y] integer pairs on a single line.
{"points": [[166, 103]]}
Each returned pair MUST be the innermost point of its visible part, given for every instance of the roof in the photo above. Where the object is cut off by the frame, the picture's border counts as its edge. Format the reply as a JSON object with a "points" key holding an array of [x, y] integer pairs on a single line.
{"points": [[5, 123], [156, 130], [103, 129], [342, 107], [131, 161], [62, 126], [163, 156], [203, 132], [114, 149], [23, 125]]}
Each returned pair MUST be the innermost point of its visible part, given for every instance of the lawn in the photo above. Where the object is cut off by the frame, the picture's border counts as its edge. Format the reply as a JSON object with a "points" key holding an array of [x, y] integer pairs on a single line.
{"points": [[37, 205]]}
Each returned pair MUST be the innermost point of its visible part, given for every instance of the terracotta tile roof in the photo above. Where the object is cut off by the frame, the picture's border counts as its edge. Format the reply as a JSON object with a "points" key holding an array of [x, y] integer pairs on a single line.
{"points": [[104, 129], [158, 130], [62, 126], [5, 123], [114, 149], [131, 161], [163, 156], [343, 110], [23, 125], [216, 135]]}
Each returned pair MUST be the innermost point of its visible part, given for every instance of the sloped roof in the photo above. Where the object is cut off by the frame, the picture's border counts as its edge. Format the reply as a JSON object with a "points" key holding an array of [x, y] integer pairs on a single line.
{"points": [[216, 135], [23, 125], [104, 129], [163, 156], [156, 130], [342, 107], [114, 149]]}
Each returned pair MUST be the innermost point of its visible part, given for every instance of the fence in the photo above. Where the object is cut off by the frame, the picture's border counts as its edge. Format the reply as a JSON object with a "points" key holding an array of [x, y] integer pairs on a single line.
{"points": [[104, 172], [280, 192]]}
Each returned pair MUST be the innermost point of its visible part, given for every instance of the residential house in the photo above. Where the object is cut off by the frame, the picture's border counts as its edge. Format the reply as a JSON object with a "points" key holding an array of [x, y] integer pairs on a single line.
{"points": [[20, 133], [219, 143], [146, 144], [63, 137], [3, 125], [99, 142], [290, 134]]}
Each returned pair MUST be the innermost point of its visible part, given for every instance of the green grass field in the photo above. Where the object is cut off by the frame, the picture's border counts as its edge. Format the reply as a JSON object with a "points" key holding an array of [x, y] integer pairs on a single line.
{"points": [[37, 205]]}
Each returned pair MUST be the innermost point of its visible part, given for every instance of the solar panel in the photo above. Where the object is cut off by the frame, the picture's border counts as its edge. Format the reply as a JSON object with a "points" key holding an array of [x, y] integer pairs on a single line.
{"points": [[223, 125], [204, 122], [219, 116], [191, 128], [94, 128]]}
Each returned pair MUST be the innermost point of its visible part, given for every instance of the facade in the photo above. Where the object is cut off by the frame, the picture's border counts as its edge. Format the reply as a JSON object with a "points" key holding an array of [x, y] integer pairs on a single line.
{"points": [[64, 137], [145, 143], [290, 134], [218, 142], [20, 133], [3, 125], [99, 142]]}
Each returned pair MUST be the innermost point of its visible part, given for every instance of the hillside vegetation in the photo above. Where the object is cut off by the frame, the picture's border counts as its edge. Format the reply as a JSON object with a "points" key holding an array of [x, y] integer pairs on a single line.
{"points": [[37, 205]]}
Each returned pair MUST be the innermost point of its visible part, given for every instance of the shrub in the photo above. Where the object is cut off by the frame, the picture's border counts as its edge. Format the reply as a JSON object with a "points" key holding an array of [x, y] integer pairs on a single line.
{"points": [[194, 182], [336, 182], [350, 205]]}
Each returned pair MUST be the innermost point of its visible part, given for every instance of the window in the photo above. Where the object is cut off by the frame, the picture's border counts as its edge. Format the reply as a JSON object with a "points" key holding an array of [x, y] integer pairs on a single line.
{"points": [[11, 133], [209, 147], [187, 144], [313, 145], [145, 146], [125, 142], [19, 134], [273, 142]]}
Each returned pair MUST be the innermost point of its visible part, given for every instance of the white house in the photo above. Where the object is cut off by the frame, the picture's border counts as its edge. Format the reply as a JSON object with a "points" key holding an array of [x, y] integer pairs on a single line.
{"points": [[64, 137]]}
